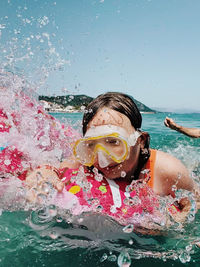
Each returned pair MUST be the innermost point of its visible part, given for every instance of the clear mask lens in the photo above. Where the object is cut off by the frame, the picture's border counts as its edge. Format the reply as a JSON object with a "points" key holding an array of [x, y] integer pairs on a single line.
{"points": [[113, 147]]}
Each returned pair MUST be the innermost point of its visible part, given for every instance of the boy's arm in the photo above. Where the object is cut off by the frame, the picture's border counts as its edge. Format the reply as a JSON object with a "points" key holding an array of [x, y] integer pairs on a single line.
{"points": [[171, 175]]}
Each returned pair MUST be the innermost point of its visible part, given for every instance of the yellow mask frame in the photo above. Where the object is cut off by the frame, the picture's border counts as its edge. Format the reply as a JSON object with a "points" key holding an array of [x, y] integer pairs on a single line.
{"points": [[108, 131]]}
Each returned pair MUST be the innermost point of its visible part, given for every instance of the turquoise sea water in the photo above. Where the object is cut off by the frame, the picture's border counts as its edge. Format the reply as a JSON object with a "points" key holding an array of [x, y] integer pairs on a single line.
{"points": [[35, 238]]}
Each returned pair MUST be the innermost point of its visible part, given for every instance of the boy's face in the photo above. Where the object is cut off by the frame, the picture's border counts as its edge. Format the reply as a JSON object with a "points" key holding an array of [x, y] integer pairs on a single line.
{"points": [[107, 116]]}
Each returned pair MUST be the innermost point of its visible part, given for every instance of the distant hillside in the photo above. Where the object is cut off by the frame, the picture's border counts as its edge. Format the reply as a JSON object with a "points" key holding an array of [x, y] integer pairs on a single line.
{"points": [[142, 107], [83, 100]]}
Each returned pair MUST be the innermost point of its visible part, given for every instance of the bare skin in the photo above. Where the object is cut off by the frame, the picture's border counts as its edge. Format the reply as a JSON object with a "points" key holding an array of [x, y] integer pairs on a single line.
{"points": [[191, 132], [169, 172]]}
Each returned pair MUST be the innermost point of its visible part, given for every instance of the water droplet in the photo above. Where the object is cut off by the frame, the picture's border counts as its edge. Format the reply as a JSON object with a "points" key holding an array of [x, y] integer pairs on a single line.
{"points": [[184, 257], [191, 217], [43, 21], [7, 162], [197, 243], [99, 208], [130, 242], [123, 174], [130, 201], [2, 26], [80, 220], [59, 219], [53, 235], [128, 228], [124, 259], [127, 195], [46, 187], [188, 247], [113, 209], [97, 176], [174, 188], [82, 108], [41, 198], [104, 257], [136, 255], [112, 258], [52, 211], [179, 176], [86, 186]]}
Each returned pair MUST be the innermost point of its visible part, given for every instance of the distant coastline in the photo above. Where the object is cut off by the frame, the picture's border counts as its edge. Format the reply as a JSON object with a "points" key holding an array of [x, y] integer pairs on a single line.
{"points": [[77, 104], [148, 112]]}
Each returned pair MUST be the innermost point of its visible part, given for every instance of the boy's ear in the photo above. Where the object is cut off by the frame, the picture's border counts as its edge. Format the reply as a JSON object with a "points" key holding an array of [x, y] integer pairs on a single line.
{"points": [[144, 140]]}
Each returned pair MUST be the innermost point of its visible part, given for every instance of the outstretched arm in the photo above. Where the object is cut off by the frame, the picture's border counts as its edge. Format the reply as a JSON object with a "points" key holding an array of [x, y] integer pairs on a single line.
{"points": [[191, 132]]}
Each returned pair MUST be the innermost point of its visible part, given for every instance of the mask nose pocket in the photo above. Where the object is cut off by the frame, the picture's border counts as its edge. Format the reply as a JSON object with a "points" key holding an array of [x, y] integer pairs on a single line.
{"points": [[103, 160]]}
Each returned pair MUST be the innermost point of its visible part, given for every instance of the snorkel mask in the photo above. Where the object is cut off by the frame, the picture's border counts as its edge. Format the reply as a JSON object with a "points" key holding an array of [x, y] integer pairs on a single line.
{"points": [[113, 144]]}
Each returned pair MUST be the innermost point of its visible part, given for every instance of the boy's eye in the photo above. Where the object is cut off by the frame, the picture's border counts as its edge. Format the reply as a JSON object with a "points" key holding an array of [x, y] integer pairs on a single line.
{"points": [[90, 144], [112, 141]]}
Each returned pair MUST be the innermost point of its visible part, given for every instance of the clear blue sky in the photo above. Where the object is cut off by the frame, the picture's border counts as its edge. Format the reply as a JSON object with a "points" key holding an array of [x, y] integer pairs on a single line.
{"points": [[149, 49]]}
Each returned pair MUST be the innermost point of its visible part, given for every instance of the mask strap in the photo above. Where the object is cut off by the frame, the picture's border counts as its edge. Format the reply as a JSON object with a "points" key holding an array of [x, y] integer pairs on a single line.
{"points": [[133, 138], [115, 193]]}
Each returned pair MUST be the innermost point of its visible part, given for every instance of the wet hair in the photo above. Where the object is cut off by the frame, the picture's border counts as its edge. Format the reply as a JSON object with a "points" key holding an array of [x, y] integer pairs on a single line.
{"points": [[125, 105], [116, 101]]}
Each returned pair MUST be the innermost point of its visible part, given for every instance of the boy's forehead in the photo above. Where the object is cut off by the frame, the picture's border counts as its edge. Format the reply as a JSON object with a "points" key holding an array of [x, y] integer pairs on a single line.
{"points": [[107, 116]]}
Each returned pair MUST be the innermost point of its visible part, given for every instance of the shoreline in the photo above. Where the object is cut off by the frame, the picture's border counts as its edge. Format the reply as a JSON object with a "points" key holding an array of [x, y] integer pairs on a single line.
{"points": [[147, 112], [60, 111], [80, 111]]}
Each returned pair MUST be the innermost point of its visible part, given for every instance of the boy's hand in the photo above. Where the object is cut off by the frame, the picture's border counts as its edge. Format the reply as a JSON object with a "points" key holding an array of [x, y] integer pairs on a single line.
{"points": [[41, 182]]}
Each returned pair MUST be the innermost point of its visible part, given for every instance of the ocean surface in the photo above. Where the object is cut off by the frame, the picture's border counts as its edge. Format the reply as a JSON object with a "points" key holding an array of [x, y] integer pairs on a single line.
{"points": [[46, 237]]}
